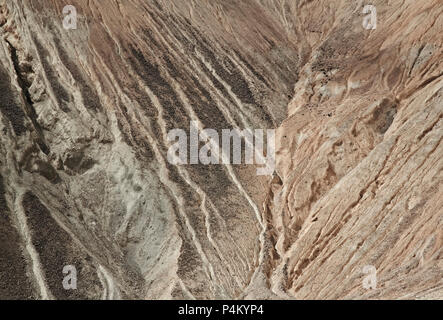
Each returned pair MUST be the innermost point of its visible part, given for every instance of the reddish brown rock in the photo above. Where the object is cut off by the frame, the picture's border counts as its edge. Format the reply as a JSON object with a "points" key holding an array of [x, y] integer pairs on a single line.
{"points": [[84, 118]]}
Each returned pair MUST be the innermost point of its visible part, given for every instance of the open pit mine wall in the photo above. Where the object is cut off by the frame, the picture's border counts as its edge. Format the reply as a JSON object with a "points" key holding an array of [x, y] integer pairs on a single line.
{"points": [[84, 175]]}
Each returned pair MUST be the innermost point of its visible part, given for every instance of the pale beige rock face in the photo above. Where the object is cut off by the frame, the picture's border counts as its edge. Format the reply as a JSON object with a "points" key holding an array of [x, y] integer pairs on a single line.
{"points": [[84, 176], [359, 160]]}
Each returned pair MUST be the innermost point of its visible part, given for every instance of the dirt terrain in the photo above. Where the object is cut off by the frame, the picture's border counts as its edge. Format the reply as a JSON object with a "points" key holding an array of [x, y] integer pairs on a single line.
{"points": [[85, 178]]}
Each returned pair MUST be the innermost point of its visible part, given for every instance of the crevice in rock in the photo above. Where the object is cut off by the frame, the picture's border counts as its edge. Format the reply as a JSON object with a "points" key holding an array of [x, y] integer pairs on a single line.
{"points": [[24, 84]]}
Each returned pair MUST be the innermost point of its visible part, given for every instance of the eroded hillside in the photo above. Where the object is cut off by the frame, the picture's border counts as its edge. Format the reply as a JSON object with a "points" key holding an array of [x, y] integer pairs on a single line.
{"points": [[85, 178]]}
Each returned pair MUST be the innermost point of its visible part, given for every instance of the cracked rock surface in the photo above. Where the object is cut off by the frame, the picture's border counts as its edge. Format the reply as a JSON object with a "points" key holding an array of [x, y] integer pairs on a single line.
{"points": [[85, 180]]}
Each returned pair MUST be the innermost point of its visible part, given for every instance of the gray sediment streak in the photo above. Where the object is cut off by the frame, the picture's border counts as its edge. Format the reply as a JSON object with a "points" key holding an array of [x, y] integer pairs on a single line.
{"points": [[185, 289], [110, 292], [26, 235], [237, 183], [209, 270]]}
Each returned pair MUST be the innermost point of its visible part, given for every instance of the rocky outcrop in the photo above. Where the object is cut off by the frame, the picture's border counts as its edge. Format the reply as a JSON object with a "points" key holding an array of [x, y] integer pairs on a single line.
{"points": [[360, 164], [85, 179]]}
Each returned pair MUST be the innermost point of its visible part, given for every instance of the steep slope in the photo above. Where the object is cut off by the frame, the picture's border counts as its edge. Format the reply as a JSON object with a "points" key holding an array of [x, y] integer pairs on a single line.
{"points": [[359, 160], [84, 175], [90, 110]]}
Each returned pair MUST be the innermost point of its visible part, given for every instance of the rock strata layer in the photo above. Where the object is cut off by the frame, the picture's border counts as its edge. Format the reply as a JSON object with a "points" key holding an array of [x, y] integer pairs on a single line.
{"points": [[85, 179]]}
